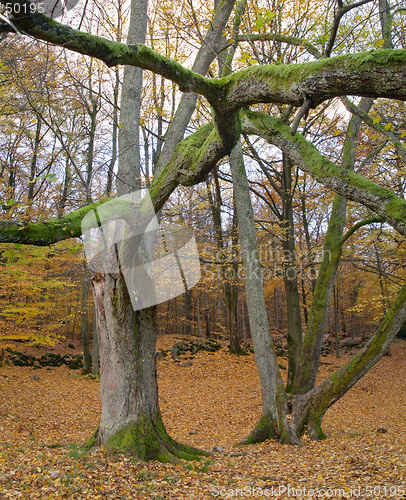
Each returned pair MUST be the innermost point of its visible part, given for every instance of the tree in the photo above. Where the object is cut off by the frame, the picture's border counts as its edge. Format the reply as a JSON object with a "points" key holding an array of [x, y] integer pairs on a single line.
{"points": [[374, 74]]}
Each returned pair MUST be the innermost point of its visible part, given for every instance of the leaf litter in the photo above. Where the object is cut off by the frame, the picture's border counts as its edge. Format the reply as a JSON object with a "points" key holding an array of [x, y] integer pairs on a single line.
{"points": [[213, 403]]}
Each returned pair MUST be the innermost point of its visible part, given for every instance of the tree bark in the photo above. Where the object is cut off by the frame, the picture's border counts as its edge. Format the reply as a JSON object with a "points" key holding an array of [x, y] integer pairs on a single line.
{"points": [[131, 418], [84, 328], [290, 275], [95, 346], [273, 423], [309, 409], [332, 250]]}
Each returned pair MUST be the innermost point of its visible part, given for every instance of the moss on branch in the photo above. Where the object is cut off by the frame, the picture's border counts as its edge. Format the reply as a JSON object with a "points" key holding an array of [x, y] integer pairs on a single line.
{"points": [[350, 185], [377, 73]]}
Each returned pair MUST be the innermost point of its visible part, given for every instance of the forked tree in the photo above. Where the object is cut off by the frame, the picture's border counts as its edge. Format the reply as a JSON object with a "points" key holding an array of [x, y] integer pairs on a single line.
{"points": [[131, 418]]}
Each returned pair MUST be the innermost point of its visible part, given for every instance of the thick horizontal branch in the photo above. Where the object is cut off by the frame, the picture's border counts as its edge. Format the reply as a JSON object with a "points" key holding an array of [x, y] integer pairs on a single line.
{"points": [[45, 233], [305, 155], [110, 52], [191, 161], [377, 73]]}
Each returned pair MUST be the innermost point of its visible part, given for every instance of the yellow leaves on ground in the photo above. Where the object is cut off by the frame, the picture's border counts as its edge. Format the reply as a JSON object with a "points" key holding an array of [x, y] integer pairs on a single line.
{"points": [[43, 424]]}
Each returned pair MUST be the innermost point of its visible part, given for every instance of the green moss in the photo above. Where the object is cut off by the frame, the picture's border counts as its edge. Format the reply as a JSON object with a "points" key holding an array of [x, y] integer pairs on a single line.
{"points": [[374, 196], [265, 429], [277, 75], [92, 441], [314, 429], [147, 439]]}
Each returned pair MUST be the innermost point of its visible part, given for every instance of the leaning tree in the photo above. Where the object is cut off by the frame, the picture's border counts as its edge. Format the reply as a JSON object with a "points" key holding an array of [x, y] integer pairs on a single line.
{"points": [[130, 416]]}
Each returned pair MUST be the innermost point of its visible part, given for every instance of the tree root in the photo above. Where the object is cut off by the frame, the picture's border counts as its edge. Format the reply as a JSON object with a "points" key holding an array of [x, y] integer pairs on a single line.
{"points": [[267, 429], [147, 439]]}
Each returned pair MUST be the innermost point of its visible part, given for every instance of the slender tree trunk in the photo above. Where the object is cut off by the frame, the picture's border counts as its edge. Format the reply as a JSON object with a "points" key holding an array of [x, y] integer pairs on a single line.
{"points": [[290, 275], [199, 321], [95, 346], [232, 309], [188, 312], [273, 422], [84, 328], [33, 168]]}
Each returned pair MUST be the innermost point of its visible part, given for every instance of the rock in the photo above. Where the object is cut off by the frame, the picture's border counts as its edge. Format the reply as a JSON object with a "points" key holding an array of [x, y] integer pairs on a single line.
{"points": [[187, 363], [381, 430], [192, 433], [218, 449], [351, 342], [54, 474], [174, 352], [203, 363], [21, 359], [34, 377]]}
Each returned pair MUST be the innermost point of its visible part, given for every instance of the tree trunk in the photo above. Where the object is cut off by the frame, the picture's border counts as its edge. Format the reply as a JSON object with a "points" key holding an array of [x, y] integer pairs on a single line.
{"points": [[232, 309], [273, 422], [84, 328], [131, 419], [188, 312], [332, 249], [309, 409], [95, 346], [290, 275]]}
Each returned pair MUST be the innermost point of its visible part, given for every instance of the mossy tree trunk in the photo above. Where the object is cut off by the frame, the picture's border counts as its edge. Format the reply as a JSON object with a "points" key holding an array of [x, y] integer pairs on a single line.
{"points": [[273, 422], [84, 327], [309, 408], [130, 419], [290, 273], [332, 250]]}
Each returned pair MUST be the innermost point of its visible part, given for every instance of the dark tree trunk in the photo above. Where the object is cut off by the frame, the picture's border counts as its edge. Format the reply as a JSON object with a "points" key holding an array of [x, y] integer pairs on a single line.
{"points": [[95, 346], [84, 328], [290, 275]]}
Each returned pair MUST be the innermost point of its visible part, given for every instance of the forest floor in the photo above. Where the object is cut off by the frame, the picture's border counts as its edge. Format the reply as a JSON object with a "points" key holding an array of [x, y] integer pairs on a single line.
{"points": [[214, 402]]}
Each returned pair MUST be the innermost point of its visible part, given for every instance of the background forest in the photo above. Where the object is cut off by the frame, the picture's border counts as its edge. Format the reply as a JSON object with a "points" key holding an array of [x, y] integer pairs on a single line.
{"points": [[52, 162], [275, 131]]}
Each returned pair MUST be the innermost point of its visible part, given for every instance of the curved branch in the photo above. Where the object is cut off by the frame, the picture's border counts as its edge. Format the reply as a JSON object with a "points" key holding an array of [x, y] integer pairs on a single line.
{"points": [[377, 198], [361, 223], [336, 23], [394, 139], [378, 73], [310, 408]]}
